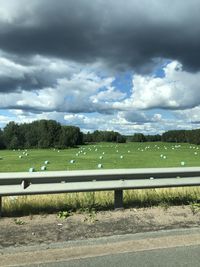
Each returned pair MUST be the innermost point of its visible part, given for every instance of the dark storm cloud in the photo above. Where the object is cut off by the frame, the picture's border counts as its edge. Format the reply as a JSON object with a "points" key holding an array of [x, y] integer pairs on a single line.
{"points": [[35, 80], [28, 82], [122, 33], [30, 73]]}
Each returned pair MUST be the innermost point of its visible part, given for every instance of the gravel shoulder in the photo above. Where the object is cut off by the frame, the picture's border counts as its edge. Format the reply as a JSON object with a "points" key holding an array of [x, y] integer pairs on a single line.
{"points": [[48, 229]]}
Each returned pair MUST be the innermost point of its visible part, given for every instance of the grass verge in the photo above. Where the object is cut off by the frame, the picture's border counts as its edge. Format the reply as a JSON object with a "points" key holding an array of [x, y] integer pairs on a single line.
{"points": [[79, 202]]}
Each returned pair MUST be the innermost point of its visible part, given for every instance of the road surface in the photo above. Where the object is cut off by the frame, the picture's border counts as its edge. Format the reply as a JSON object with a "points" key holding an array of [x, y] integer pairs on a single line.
{"points": [[173, 257], [162, 248]]}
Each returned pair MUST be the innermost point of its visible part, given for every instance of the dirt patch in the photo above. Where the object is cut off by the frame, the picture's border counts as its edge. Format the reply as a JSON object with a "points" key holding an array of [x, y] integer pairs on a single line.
{"points": [[37, 229]]}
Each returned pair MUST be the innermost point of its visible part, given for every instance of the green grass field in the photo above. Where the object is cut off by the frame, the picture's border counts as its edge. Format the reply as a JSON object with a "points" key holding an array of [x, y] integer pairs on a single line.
{"points": [[130, 155], [134, 155]]}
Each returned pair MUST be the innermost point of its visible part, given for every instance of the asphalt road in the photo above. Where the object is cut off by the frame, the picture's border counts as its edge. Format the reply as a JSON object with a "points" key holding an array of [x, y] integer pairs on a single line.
{"points": [[163, 248], [173, 257]]}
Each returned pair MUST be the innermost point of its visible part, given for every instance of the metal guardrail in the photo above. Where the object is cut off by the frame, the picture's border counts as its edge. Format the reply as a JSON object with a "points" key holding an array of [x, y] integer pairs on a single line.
{"points": [[52, 182]]}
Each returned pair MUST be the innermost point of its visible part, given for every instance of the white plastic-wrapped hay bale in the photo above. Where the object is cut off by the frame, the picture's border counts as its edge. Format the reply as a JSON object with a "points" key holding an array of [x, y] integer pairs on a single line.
{"points": [[46, 162], [43, 168], [20, 157], [182, 163], [31, 169], [164, 157], [72, 161], [99, 166], [121, 157], [101, 157]]}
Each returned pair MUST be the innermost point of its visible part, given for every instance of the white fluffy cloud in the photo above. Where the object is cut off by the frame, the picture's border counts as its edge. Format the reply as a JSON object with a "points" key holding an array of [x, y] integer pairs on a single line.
{"points": [[81, 96], [56, 85], [118, 122], [178, 89]]}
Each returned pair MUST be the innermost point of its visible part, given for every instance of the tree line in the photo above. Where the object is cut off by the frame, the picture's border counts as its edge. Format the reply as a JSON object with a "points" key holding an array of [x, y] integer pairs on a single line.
{"points": [[139, 137], [182, 136], [39, 134], [50, 133], [104, 136], [174, 136]]}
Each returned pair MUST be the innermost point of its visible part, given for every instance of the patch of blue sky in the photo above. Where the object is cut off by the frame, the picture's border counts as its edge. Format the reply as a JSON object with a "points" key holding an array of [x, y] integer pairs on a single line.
{"points": [[102, 88], [6, 113], [123, 82], [159, 71], [5, 117]]}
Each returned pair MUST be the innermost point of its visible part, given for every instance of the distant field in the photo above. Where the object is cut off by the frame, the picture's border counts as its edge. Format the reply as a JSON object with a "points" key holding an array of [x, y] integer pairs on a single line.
{"points": [[130, 155]]}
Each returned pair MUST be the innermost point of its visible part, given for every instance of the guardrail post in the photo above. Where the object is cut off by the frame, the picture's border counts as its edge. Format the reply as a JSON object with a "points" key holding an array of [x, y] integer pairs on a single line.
{"points": [[118, 199], [0, 206]]}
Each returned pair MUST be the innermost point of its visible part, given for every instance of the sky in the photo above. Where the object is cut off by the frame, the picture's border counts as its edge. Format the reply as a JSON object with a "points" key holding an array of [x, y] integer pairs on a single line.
{"points": [[128, 66]]}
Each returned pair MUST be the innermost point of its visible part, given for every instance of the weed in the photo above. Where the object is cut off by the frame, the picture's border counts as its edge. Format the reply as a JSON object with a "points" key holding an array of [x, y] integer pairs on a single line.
{"points": [[195, 207], [90, 215], [19, 222], [64, 214]]}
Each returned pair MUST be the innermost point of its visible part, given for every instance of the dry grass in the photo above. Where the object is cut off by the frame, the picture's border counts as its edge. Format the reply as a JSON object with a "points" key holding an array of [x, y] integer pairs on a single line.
{"points": [[77, 202]]}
